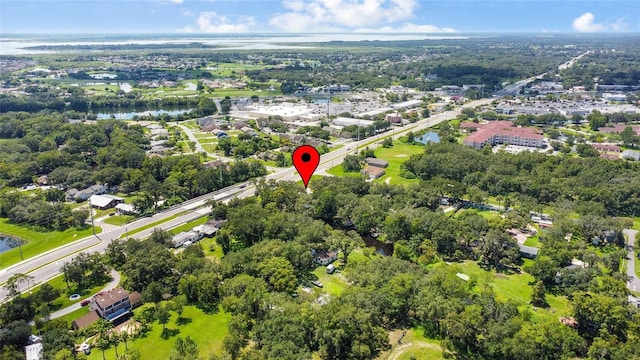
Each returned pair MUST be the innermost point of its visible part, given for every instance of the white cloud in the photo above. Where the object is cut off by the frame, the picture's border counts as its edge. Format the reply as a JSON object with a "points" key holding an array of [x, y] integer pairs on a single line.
{"points": [[336, 15], [585, 23], [211, 22], [407, 28], [619, 25], [177, 1]]}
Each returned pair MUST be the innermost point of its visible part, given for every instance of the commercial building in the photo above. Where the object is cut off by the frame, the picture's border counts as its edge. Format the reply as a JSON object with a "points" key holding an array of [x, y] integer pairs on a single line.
{"points": [[501, 132], [287, 112], [343, 121]]}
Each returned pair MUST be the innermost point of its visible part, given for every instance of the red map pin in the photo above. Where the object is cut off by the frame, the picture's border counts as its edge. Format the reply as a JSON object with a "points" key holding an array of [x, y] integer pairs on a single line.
{"points": [[306, 159]]}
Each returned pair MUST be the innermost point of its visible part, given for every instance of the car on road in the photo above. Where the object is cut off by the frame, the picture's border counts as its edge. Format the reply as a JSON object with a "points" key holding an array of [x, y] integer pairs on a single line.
{"points": [[85, 302], [74, 297]]}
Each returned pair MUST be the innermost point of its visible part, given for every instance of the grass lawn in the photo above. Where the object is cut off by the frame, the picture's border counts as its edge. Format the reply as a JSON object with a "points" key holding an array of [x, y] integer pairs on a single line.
{"points": [[516, 287], [396, 155], [212, 250], [333, 284], [119, 220], [338, 170], [74, 315], [63, 300], [636, 223], [207, 330], [188, 226], [413, 346], [37, 241], [149, 226]]}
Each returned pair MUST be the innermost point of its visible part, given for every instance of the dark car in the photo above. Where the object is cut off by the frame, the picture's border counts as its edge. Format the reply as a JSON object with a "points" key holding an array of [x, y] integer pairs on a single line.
{"points": [[85, 302]]}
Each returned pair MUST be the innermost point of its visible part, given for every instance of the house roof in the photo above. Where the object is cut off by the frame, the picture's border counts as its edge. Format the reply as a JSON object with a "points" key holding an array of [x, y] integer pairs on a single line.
{"points": [[86, 320], [528, 249], [103, 200], [126, 208], [135, 297], [33, 352], [377, 162], [110, 297], [373, 171]]}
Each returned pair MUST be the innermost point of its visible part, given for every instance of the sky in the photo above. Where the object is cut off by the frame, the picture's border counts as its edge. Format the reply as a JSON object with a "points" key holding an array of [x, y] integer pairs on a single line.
{"points": [[317, 16]]}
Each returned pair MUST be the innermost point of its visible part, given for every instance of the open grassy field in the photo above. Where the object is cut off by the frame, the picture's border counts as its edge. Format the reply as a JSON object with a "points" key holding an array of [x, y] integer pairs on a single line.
{"points": [[515, 287], [149, 226], [63, 300], [119, 220], [37, 241], [333, 284], [212, 250], [413, 345], [207, 330], [396, 155], [188, 226]]}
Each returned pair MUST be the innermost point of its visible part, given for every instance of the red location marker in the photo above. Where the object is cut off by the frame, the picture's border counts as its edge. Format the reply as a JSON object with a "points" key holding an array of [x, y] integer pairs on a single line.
{"points": [[306, 159]]}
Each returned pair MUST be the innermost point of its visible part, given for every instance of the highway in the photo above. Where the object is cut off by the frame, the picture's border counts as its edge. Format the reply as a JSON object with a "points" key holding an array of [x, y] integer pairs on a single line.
{"points": [[47, 265]]}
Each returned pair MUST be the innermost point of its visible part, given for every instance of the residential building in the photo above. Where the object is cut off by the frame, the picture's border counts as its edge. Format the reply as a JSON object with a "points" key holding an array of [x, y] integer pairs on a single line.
{"points": [[373, 172], [377, 162], [393, 118], [343, 121], [86, 320], [33, 351], [324, 257], [82, 195], [126, 209], [501, 132], [112, 304], [103, 202], [529, 252], [183, 238]]}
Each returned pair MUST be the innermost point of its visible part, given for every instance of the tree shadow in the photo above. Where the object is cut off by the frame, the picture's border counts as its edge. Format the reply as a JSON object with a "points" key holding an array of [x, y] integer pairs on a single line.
{"points": [[183, 320], [167, 333]]}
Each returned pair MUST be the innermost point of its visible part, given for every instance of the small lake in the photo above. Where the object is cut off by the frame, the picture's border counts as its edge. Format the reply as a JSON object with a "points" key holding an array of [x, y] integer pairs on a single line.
{"points": [[7, 243], [381, 247], [130, 115]]}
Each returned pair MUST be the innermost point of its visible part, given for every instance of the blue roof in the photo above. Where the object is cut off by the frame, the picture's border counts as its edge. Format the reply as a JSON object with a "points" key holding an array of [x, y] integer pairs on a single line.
{"points": [[429, 137]]}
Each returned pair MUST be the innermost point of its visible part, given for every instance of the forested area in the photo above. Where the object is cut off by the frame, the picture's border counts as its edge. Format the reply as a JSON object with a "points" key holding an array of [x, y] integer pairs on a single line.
{"points": [[267, 241], [611, 185], [605, 67], [106, 152]]}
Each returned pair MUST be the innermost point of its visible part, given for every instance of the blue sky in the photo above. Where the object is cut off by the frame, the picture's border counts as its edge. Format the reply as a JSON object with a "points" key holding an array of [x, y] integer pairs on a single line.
{"points": [[306, 16]]}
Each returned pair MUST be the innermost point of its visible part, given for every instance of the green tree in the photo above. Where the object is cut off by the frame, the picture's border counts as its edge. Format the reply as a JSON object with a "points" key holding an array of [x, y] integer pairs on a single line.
{"points": [[538, 296], [629, 137], [185, 349], [346, 243], [279, 274]]}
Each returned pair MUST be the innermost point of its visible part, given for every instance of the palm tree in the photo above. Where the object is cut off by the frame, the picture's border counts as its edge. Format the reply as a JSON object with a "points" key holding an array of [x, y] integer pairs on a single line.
{"points": [[125, 336], [114, 339]]}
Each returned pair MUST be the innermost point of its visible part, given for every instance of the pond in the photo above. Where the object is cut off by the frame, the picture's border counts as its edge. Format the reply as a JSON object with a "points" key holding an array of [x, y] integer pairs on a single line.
{"points": [[7, 243], [130, 115], [382, 248]]}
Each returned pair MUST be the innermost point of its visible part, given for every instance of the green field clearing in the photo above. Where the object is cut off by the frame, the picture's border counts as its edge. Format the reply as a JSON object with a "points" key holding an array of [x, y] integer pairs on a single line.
{"points": [[37, 241], [119, 220], [188, 226], [63, 300], [414, 346], [516, 287], [212, 250], [153, 224], [207, 330], [333, 284]]}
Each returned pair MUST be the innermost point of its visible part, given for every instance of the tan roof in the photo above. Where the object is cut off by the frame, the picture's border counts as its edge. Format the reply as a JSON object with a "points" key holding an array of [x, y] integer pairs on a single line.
{"points": [[110, 297], [374, 171], [86, 320]]}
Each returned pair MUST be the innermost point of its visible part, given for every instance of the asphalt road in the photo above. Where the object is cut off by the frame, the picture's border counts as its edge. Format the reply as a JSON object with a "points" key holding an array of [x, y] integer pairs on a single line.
{"points": [[633, 283]]}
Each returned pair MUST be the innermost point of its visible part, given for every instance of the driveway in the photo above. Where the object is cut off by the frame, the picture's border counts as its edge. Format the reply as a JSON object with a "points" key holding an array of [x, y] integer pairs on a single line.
{"points": [[69, 309], [633, 283]]}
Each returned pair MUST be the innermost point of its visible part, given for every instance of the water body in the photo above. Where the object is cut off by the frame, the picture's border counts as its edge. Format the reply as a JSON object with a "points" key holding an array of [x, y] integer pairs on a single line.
{"points": [[381, 247], [130, 115], [7, 243], [18, 44]]}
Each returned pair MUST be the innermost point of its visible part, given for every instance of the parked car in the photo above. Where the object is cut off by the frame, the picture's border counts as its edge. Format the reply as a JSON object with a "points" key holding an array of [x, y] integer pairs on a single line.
{"points": [[85, 302]]}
